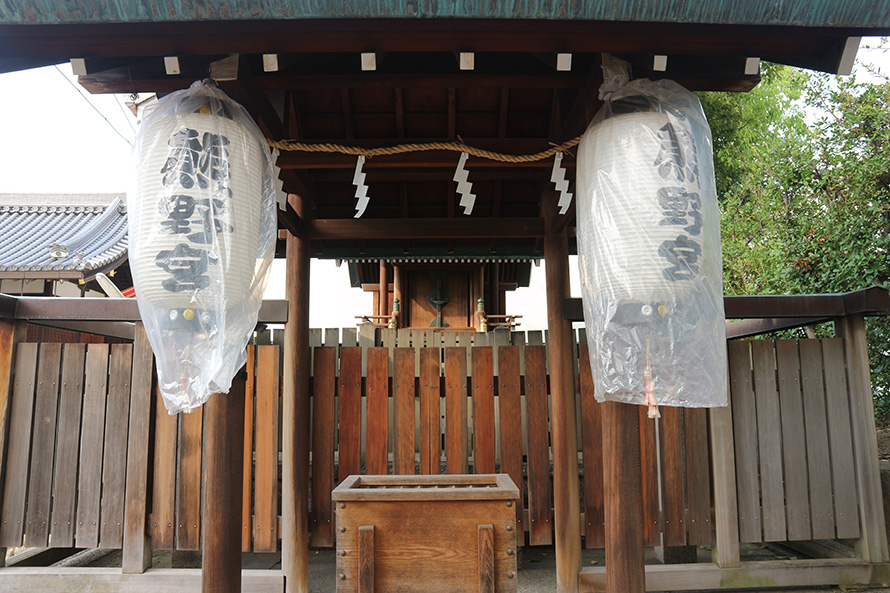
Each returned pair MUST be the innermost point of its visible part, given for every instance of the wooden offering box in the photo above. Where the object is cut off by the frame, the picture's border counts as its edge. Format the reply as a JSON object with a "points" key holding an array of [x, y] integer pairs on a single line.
{"points": [[423, 534]]}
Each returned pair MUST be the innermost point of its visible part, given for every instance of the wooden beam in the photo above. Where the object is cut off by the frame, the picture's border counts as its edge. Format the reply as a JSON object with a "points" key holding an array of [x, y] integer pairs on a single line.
{"points": [[567, 508], [400, 113], [295, 414], [223, 470], [426, 228], [767, 574], [873, 301], [168, 580]]}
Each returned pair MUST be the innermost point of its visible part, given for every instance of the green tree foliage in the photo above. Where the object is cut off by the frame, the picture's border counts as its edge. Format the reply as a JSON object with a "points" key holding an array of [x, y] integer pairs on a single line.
{"points": [[803, 178]]}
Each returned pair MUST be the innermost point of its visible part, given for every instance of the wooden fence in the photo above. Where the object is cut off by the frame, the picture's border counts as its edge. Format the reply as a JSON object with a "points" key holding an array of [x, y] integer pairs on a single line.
{"points": [[414, 408]]}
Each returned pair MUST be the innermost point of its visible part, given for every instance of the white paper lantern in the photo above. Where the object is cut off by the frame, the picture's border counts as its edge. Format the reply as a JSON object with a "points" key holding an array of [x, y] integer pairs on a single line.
{"points": [[202, 236], [649, 250], [201, 169]]}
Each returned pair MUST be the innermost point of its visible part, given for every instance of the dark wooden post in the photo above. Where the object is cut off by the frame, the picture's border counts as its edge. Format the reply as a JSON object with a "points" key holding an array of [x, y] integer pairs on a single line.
{"points": [[223, 477], [492, 306], [562, 395], [625, 570], [295, 413], [383, 290]]}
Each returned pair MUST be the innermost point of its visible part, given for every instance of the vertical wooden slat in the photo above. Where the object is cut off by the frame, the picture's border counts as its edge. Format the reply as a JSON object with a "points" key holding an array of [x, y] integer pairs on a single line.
{"points": [[67, 441], [137, 547], [539, 505], [323, 426], [744, 425], [19, 446], [769, 439], [163, 499], [486, 558], [430, 406], [725, 549], [483, 411], [366, 559], [818, 452], [350, 442], [247, 462], [698, 479], [511, 421], [592, 443], [797, 506], [378, 410], [11, 333], [188, 480], [349, 337], [265, 493], [43, 446], [649, 479], [840, 433], [673, 480], [403, 411], [456, 454], [92, 439], [114, 464]]}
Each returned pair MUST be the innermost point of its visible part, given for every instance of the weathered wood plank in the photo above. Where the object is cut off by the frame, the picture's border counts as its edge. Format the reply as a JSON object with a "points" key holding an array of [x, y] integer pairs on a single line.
{"points": [[168, 580], [673, 480], [539, 503], [744, 425], [509, 397], [430, 412], [698, 478], [376, 450], [12, 332], [92, 439], [652, 523], [456, 431], [67, 440], [43, 438], [19, 446], [840, 433], [797, 505], [366, 559], [725, 547], [323, 427], [403, 411], [769, 439], [114, 463], [265, 533], [818, 452], [247, 462], [164, 488], [592, 443], [188, 480], [137, 546], [483, 411], [486, 558], [350, 445]]}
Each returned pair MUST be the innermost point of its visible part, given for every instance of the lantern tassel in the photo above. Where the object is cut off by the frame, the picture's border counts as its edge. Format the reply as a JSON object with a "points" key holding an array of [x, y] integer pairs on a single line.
{"points": [[650, 392]]}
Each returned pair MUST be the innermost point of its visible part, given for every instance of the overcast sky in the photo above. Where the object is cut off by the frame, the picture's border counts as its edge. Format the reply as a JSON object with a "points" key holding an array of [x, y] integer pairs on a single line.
{"points": [[56, 138]]}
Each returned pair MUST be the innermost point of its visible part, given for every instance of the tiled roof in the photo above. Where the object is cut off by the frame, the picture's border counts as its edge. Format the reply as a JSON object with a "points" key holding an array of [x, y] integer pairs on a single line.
{"points": [[49, 236]]}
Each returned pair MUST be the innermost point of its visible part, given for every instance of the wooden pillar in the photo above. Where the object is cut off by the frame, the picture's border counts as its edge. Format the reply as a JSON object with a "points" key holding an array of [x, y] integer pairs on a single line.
{"points": [[11, 333], [295, 413], [397, 284], [223, 477], [562, 394], [492, 305], [137, 544], [872, 543], [625, 570], [383, 290]]}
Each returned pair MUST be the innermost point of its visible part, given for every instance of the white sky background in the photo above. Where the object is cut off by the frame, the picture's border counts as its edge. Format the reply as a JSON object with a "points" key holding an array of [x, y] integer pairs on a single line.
{"points": [[56, 138]]}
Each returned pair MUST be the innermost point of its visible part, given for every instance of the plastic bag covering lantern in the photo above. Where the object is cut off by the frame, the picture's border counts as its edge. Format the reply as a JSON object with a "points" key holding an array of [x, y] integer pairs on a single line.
{"points": [[649, 247], [202, 232]]}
